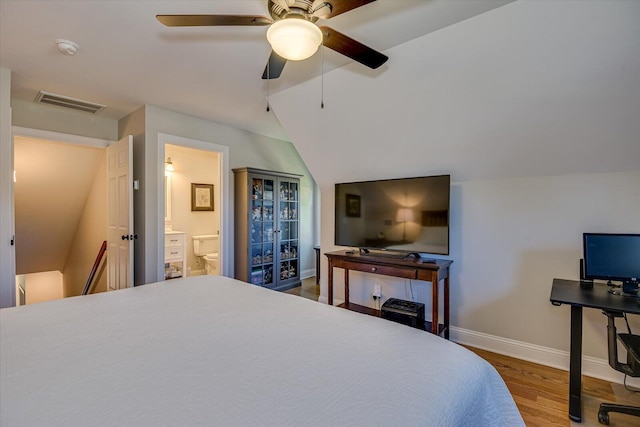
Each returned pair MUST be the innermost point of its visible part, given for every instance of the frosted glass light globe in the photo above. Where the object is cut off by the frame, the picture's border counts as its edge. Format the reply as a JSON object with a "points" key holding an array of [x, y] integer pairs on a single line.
{"points": [[294, 39]]}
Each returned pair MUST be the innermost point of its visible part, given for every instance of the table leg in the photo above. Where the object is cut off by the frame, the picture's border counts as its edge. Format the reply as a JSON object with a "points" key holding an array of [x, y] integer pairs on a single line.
{"points": [[446, 307], [575, 365], [330, 283], [434, 303], [346, 287]]}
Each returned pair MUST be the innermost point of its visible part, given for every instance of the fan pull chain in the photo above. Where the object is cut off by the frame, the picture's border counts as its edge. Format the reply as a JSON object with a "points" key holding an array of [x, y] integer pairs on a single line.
{"points": [[268, 78], [322, 76]]}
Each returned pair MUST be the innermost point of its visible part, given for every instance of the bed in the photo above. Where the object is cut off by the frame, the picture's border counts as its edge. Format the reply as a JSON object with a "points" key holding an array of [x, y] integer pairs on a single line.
{"points": [[431, 240], [210, 350]]}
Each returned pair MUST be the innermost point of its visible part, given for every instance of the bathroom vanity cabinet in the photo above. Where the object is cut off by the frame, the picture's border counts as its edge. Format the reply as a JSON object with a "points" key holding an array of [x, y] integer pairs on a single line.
{"points": [[267, 226], [174, 254]]}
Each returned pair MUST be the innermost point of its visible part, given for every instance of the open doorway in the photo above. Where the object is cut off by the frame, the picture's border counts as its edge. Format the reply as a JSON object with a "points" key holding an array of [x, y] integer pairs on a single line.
{"points": [[194, 200], [59, 211]]}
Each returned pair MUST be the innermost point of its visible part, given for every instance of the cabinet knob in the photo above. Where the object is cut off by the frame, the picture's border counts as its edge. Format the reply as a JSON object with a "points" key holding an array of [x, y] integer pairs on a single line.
{"points": [[374, 269]]}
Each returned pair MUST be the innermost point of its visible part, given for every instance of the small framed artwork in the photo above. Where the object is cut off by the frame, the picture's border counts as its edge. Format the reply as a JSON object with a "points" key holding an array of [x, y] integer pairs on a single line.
{"points": [[201, 197], [353, 205]]}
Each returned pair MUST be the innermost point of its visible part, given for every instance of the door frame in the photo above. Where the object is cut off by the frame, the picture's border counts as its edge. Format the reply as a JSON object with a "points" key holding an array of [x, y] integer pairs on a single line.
{"points": [[225, 240]]}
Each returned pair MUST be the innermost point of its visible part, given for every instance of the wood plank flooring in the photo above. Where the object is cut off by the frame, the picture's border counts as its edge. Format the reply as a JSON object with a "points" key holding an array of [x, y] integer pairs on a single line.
{"points": [[540, 392]]}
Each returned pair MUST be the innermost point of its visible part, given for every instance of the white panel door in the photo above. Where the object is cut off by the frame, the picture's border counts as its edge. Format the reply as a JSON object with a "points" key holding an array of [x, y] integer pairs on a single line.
{"points": [[120, 236]]}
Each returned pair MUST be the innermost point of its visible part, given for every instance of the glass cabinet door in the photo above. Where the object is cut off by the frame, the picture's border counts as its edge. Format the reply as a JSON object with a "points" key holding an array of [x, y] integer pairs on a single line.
{"points": [[288, 225], [261, 229], [267, 226]]}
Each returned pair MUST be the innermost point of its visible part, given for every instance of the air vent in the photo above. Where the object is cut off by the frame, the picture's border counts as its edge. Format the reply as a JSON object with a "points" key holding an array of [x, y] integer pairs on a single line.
{"points": [[68, 102]]}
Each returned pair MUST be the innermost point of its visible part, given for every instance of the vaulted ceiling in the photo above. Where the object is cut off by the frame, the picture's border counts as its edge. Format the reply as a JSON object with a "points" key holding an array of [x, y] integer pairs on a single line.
{"points": [[127, 58]]}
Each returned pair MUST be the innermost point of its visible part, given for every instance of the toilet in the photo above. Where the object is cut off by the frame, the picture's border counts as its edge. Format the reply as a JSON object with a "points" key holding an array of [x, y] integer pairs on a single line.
{"points": [[205, 246]]}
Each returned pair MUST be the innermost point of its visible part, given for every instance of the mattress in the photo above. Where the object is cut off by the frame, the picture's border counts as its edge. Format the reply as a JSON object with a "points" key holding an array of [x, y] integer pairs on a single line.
{"points": [[431, 240], [210, 350]]}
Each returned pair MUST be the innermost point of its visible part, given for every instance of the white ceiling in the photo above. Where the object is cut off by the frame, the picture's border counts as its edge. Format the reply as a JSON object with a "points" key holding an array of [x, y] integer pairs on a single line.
{"points": [[127, 58], [533, 88]]}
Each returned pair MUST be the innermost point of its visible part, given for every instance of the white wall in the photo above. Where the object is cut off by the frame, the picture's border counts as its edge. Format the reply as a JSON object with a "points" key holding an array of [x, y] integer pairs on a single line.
{"points": [[514, 236], [58, 175], [7, 250], [56, 119], [42, 287], [89, 235]]}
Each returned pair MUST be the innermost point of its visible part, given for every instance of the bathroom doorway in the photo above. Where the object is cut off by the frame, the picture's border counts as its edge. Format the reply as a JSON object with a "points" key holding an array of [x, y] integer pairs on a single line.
{"points": [[194, 197]]}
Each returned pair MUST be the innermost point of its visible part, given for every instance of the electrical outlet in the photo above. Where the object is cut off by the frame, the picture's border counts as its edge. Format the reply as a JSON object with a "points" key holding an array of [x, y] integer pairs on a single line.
{"points": [[377, 291]]}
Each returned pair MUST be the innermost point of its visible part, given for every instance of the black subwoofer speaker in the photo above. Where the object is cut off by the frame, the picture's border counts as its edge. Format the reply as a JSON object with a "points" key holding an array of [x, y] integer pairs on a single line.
{"points": [[406, 312]]}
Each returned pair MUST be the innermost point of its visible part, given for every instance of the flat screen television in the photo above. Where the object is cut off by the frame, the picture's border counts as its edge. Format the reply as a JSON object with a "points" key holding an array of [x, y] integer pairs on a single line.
{"points": [[407, 215], [609, 256]]}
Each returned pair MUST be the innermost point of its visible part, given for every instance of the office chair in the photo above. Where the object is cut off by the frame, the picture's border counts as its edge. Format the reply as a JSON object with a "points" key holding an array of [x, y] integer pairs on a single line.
{"points": [[632, 367]]}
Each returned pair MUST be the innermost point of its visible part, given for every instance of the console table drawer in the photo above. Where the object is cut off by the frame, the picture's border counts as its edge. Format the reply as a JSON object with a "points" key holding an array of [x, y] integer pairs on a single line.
{"points": [[404, 273]]}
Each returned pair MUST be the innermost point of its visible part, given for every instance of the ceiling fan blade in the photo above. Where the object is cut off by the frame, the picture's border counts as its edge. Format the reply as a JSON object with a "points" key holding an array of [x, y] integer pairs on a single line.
{"points": [[336, 7], [274, 66], [352, 48], [212, 20]]}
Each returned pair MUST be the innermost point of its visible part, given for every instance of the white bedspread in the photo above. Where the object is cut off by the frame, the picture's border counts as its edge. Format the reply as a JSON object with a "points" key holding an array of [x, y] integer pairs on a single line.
{"points": [[212, 351]]}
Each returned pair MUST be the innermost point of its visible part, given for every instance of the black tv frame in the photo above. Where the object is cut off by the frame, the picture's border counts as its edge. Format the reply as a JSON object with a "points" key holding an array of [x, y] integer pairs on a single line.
{"points": [[384, 250]]}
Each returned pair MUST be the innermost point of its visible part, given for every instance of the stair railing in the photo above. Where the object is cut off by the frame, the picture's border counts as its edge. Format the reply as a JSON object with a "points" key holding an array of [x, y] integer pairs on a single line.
{"points": [[94, 270]]}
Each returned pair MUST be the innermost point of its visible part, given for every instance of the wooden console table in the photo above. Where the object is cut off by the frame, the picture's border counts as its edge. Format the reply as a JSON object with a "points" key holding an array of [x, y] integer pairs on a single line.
{"points": [[413, 269]]}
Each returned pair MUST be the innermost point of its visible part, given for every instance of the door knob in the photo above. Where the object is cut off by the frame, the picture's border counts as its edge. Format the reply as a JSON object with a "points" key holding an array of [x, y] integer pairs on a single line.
{"points": [[125, 237]]}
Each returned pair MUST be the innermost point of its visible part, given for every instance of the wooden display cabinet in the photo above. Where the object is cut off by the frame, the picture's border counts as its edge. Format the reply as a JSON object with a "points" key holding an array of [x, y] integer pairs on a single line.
{"points": [[267, 227]]}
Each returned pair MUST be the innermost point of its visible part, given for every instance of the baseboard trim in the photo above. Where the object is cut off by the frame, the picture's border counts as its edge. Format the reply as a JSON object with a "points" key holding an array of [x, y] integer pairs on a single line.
{"points": [[591, 366], [305, 274]]}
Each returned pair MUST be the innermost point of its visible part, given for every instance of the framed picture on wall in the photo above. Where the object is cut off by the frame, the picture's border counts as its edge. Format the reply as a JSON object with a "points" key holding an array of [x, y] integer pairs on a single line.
{"points": [[201, 197], [353, 205]]}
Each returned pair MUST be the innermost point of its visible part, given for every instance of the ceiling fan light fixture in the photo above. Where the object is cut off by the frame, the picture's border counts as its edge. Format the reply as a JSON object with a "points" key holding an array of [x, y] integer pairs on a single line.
{"points": [[294, 39]]}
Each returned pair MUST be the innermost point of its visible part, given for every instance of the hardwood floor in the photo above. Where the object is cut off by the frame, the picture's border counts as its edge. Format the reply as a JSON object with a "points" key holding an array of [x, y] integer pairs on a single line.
{"points": [[540, 392], [308, 289]]}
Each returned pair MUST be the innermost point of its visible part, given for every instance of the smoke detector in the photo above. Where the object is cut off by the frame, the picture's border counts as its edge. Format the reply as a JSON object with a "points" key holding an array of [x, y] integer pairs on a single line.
{"points": [[67, 47]]}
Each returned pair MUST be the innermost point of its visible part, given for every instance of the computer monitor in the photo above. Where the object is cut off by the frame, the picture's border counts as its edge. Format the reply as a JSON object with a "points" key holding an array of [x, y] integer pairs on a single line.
{"points": [[609, 256]]}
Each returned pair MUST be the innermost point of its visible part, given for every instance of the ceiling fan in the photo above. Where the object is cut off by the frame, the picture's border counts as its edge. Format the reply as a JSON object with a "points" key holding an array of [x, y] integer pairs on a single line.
{"points": [[293, 33]]}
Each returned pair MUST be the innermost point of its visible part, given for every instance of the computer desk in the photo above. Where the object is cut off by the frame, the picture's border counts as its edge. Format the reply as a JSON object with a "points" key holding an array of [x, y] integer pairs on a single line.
{"points": [[577, 295]]}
